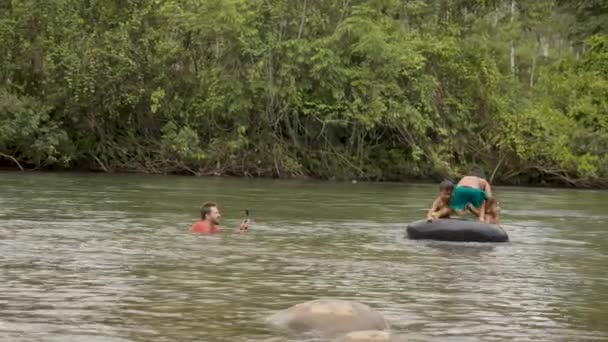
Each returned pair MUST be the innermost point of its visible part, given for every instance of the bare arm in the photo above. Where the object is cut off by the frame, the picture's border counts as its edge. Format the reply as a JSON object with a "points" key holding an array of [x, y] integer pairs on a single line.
{"points": [[487, 188], [433, 209], [244, 224]]}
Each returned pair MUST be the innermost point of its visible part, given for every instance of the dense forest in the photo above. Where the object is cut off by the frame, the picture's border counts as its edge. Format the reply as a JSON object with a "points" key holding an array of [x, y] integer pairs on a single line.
{"points": [[331, 89]]}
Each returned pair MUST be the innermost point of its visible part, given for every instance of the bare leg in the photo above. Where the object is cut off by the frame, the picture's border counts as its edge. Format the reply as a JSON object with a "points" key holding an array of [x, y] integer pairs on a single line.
{"points": [[460, 213], [482, 212], [473, 210]]}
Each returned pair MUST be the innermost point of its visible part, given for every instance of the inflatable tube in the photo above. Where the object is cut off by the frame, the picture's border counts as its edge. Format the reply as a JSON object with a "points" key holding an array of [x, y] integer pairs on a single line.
{"points": [[456, 230]]}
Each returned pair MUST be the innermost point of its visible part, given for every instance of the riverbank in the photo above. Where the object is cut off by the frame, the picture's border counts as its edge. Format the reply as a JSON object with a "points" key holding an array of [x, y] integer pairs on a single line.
{"points": [[366, 90], [422, 181]]}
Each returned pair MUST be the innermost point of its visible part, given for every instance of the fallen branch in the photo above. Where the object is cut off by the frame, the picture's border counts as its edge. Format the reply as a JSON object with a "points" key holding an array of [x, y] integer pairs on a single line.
{"points": [[496, 168], [563, 176], [103, 167], [183, 166], [13, 159]]}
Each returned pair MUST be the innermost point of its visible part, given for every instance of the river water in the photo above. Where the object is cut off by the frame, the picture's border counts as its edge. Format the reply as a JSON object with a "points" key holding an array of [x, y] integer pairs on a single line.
{"points": [[110, 258]]}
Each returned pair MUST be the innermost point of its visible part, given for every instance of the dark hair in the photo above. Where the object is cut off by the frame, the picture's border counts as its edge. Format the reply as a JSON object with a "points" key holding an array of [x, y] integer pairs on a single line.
{"points": [[446, 185], [490, 201], [206, 209]]}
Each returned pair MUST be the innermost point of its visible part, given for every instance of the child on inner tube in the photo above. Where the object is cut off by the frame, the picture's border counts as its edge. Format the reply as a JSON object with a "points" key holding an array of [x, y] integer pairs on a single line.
{"points": [[441, 205], [472, 192]]}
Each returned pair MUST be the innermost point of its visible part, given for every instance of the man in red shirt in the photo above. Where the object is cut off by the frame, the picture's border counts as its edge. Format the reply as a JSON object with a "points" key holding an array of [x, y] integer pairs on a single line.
{"points": [[210, 220]]}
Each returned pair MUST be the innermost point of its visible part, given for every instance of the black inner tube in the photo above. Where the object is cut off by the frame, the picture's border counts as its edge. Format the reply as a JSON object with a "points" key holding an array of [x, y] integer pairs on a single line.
{"points": [[456, 230]]}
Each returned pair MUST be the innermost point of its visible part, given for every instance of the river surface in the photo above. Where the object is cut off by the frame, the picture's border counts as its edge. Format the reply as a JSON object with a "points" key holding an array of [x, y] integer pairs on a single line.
{"points": [[110, 258]]}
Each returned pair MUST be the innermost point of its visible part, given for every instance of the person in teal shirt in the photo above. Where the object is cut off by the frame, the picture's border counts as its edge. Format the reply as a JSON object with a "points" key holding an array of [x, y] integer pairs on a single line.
{"points": [[472, 190]]}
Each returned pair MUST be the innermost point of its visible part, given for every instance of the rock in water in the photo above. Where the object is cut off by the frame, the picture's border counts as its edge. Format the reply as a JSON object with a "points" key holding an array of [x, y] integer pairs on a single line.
{"points": [[370, 336], [328, 318]]}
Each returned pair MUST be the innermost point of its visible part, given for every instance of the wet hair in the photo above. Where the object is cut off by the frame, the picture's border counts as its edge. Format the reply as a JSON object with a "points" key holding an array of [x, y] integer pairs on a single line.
{"points": [[446, 185], [206, 209], [490, 202]]}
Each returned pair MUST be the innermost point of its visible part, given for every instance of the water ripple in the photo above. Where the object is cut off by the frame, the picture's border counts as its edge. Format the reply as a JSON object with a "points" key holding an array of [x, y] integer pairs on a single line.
{"points": [[111, 259]]}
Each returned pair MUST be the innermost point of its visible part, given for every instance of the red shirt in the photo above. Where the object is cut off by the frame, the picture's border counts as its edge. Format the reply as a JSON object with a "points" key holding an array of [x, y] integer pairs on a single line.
{"points": [[203, 227]]}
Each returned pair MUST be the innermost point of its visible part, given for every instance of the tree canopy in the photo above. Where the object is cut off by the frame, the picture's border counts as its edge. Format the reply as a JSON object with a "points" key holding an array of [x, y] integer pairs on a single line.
{"points": [[366, 89]]}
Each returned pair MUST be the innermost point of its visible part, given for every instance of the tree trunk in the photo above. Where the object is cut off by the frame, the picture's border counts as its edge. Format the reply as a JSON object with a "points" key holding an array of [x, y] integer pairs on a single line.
{"points": [[512, 54], [303, 20]]}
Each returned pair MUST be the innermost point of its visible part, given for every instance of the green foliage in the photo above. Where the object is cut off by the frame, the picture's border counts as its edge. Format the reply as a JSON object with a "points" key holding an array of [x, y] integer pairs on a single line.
{"points": [[27, 133], [371, 89]]}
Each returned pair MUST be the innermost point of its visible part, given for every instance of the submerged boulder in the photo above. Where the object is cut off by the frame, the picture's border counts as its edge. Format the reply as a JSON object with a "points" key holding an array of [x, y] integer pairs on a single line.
{"points": [[328, 318], [370, 336]]}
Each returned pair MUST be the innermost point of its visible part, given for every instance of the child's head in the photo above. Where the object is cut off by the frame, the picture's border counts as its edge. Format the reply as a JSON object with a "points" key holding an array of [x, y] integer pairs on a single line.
{"points": [[491, 205], [445, 189]]}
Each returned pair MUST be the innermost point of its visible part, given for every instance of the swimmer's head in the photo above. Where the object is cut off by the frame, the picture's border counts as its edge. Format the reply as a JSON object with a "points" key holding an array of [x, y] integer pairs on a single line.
{"points": [[209, 211]]}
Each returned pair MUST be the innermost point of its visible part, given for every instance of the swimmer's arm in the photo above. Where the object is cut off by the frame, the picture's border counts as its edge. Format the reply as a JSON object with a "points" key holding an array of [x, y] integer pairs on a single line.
{"points": [[244, 224]]}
